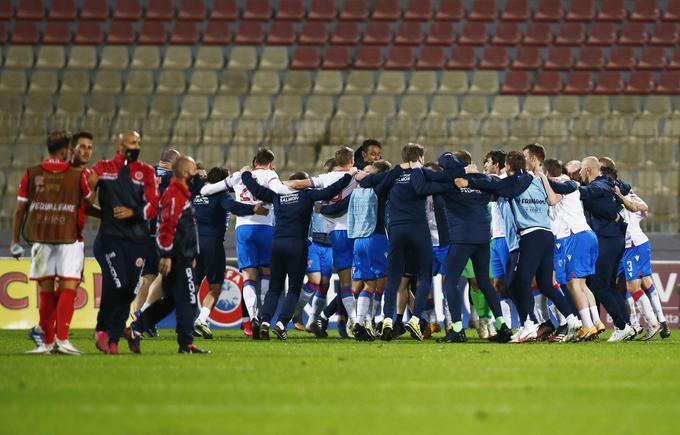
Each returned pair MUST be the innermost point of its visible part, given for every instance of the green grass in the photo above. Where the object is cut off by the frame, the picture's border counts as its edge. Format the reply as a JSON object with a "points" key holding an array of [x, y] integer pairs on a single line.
{"points": [[307, 386]]}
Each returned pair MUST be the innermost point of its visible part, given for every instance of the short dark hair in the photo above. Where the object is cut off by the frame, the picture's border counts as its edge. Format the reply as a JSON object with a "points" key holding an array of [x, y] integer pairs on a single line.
{"points": [[536, 150], [370, 143], [497, 158], [58, 140], [515, 160], [411, 152], [329, 164], [344, 156], [217, 174], [434, 166], [382, 165], [81, 134], [554, 167], [299, 175], [608, 162], [263, 157], [465, 156], [609, 171]]}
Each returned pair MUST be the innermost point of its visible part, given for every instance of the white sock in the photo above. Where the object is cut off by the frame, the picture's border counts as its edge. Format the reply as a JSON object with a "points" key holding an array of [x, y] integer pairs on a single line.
{"points": [[306, 295], [145, 305], [570, 320], [250, 298], [646, 309], [363, 306], [318, 304], [656, 304], [528, 323], [541, 308], [561, 320], [377, 304], [507, 311], [595, 314], [448, 320], [585, 318], [631, 307], [264, 287], [349, 302], [203, 315]]}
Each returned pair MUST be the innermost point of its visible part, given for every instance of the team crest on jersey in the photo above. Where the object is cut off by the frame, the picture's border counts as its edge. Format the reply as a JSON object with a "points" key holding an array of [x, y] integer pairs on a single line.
{"points": [[139, 262], [227, 311], [139, 176]]}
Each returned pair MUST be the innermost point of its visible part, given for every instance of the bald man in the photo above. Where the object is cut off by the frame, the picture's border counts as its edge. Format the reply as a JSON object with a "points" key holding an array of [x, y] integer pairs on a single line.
{"points": [[128, 198], [601, 208]]}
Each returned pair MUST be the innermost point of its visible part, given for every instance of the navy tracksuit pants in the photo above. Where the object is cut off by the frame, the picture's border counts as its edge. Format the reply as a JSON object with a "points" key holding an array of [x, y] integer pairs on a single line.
{"points": [[536, 251], [121, 262], [603, 283], [289, 257], [413, 240], [179, 294], [457, 258]]}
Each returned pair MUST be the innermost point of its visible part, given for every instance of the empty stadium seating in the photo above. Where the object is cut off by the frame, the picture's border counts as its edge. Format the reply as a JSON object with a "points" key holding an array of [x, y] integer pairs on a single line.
{"points": [[222, 77]]}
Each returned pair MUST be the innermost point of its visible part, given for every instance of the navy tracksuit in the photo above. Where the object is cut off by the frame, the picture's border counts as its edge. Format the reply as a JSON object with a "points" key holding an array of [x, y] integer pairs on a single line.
{"points": [[602, 213], [293, 212]]}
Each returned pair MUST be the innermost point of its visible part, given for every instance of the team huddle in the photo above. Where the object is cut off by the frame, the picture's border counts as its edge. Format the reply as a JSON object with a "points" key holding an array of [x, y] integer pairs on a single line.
{"points": [[537, 241]]}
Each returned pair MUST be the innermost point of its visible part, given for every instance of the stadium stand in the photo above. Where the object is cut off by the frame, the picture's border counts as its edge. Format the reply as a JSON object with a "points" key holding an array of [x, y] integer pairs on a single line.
{"points": [[222, 77]]}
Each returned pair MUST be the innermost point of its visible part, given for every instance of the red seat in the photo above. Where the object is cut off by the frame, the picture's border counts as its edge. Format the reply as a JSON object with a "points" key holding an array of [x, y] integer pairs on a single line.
{"points": [[538, 34], [516, 10], [57, 32], [590, 59], [185, 32], [192, 10], [602, 34], [281, 33], [483, 10], [291, 10], [474, 33], [314, 33], [549, 10], [495, 58], [559, 58], [400, 58], [674, 62], [633, 34], [63, 10], [249, 33], [652, 58], [640, 83], [386, 10], [507, 34], [378, 34], [152, 33], [95, 10], [645, 11], [572, 34], [621, 58], [25, 32], [581, 10], [528, 58], [160, 10], [449, 10], [418, 10], [224, 10], [127, 10], [431, 57], [369, 58], [354, 10], [121, 33], [669, 83], [609, 83], [672, 11], [337, 58], [257, 10], [547, 83], [30, 10], [322, 10], [516, 83], [579, 83], [665, 34], [346, 33], [409, 33], [441, 33], [217, 32], [6, 12], [89, 32], [3, 33], [611, 10], [462, 58], [306, 58]]}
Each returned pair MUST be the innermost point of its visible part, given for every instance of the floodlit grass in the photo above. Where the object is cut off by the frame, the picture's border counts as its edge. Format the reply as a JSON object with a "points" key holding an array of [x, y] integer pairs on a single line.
{"points": [[333, 386]]}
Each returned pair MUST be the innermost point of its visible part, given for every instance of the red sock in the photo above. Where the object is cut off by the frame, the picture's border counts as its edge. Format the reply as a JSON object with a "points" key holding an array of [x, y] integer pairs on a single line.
{"points": [[65, 308], [47, 310]]}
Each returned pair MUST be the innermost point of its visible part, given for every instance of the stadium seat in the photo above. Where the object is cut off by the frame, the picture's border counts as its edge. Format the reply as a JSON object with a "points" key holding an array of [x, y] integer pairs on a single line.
{"points": [[6, 12], [538, 34], [203, 82], [211, 58], [400, 58], [443, 106], [669, 83], [602, 34], [13, 81], [346, 33], [378, 34], [369, 58], [549, 10], [117, 57], [94, 10], [70, 105], [127, 10], [57, 32], [527, 58], [672, 12], [249, 33], [516, 10], [548, 83], [328, 83], [621, 59], [391, 83], [177, 57], [194, 106], [242, 58], [108, 82], [386, 10], [640, 83], [590, 59], [159, 10], [44, 81], [19, 57], [441, 33], [89, 32], [217, 33], [474, 33], [234, 82], [224, 10], [657, 107], [51, 57], [633, 34], [565, 107], [191, 10], [665, 34], [314, 33], [78, 81], [609, 83], [139, 82], [559, 58], [462, 58], [420, 10], [121, 32], [645, 11], [171, 82], [579, 83], [431, 58], [226, 107], [626, 106], [516, 83], [25, 32], [453, 82], [132, 106], [507, 34], [495, 58], [257, 10], [62, 10], [536, 107], [322, 10], [38, 103], [354, 10], [163, 106], [412, 107], [297, 83], [504, 107], [582, 10], [30, 10], [265, 83], [483, 10], [596, 106], [423, 83], [102, 106], [281, 33], [484, 83], [306, 58], [611, 10], [360, 83], [274, 58], [674, 61], [292, 10], [185, 32], [337, 58], [409, 33], [571, 34], [3, 34], [652, 58]]}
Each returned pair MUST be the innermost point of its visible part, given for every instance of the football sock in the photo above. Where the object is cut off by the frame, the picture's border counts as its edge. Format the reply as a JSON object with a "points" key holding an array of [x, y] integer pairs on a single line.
{"points": [[349, 302], [65, 308], [364, 306], [585, 318], [264, 287], [250, 297], [203, 315], [595, 314], [645, 306], [655, 300], [47, 311], [457, 326]]}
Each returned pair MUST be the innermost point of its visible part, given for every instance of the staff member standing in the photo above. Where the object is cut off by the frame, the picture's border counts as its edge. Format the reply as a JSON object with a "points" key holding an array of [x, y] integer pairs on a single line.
{"points": [[128, 197]]}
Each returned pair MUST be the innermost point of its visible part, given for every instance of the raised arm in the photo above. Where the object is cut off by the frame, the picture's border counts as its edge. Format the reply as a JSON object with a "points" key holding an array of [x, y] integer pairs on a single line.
{"points": [[508, 187], [259, 192], [331, 191], [336, 209], [424, 187]]}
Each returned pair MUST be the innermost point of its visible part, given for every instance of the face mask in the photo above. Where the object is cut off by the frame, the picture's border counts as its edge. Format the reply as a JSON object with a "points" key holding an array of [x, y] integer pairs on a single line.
{"points": [[131, 155]]}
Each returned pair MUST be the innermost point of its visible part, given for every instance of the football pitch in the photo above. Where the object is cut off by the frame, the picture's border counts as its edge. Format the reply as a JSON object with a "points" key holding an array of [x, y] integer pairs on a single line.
{"points": [[334, 386]]}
